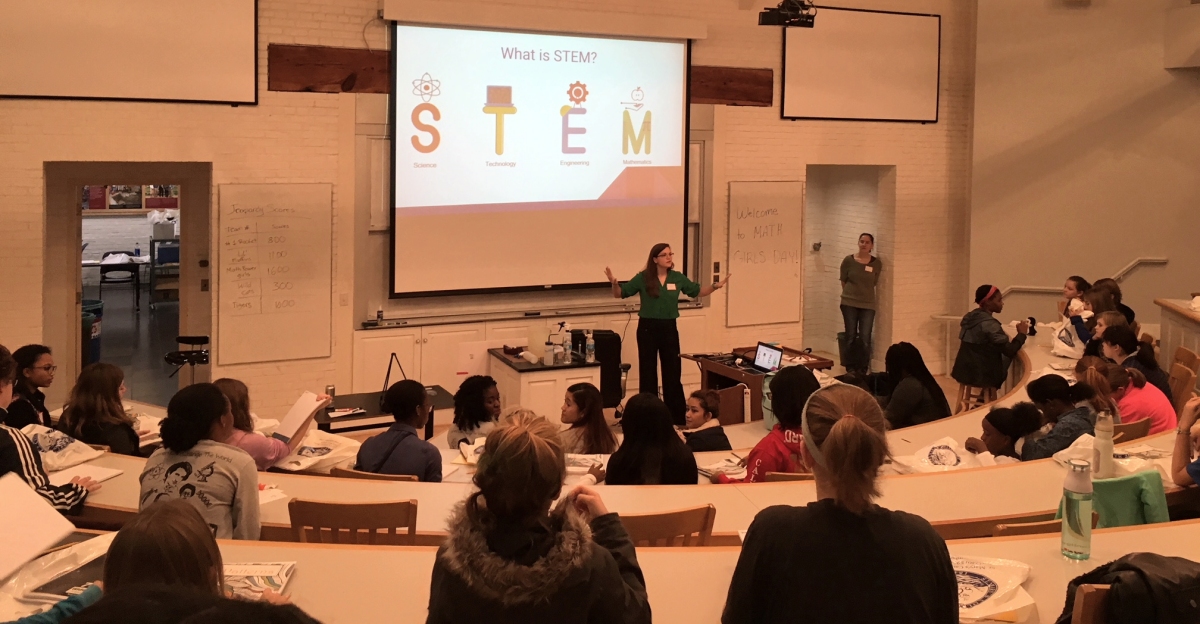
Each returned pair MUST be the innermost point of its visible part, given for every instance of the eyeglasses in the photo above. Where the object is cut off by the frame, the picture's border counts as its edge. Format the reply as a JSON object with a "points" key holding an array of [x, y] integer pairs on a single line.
{"points": [[666, 254], [49, 368]]}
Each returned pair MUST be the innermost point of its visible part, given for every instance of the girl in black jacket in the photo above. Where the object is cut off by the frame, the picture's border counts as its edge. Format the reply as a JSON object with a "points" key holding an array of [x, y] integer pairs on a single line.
{"points": [[651, 453], [703, 431], [510, 558], [35, 370]]}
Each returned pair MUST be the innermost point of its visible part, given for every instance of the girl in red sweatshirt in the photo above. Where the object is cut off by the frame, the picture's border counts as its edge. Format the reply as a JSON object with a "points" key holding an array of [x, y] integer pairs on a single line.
{"points": [[780, 450]]}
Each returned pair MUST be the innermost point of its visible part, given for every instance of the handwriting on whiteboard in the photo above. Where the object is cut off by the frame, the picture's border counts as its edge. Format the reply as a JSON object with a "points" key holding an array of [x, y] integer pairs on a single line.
{"points": [[263, 260], [759, 238]]}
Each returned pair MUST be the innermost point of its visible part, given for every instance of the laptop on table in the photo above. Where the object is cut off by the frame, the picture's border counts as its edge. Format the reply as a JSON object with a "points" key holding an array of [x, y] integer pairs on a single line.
{"points": [[767, 358]]}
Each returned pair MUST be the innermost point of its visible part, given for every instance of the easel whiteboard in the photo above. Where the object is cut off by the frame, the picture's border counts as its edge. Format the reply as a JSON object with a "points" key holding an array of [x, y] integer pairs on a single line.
{"points": [[764, 253], [275, 250]]}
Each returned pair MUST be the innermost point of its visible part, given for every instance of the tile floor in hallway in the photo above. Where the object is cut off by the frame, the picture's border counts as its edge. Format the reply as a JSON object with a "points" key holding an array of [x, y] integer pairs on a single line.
{"points": [[136, 340]]}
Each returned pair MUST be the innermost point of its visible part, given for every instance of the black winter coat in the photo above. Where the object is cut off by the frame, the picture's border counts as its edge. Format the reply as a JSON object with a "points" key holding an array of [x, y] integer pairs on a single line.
{"points": [[985, 352]]}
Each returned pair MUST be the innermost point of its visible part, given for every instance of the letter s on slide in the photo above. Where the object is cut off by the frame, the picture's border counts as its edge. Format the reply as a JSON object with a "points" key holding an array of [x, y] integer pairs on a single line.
{"points": [[435, 138]]}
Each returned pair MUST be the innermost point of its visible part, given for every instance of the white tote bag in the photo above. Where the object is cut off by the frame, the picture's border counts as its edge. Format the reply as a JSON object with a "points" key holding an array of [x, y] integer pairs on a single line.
{"points": [[319, 452], [1067, 342], [59, 451]]}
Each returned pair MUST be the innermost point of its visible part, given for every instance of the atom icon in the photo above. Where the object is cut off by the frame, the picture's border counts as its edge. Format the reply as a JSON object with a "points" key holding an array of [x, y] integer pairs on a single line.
{"points": [[427, 87], [577, 93]]}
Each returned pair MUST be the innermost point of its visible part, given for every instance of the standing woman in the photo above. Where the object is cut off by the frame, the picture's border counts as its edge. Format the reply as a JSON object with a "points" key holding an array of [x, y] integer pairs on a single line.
{"points": [[658, 287], [859, 276], [35, 370]]}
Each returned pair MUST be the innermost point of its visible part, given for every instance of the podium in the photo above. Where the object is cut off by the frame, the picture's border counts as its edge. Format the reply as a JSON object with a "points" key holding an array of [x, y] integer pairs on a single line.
{"points": [[721, 373]]}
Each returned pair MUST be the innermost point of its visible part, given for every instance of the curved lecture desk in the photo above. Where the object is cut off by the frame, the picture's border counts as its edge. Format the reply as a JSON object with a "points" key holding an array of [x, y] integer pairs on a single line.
{"points": [[961, 504]]}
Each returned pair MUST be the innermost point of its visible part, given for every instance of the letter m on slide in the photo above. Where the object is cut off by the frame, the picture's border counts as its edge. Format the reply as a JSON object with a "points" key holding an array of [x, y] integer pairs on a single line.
{"points": [[628, 136]]}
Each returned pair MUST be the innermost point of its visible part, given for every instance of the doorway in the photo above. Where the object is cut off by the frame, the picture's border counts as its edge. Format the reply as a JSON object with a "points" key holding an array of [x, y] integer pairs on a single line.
{"points": [[139, 323], [842, 202]]}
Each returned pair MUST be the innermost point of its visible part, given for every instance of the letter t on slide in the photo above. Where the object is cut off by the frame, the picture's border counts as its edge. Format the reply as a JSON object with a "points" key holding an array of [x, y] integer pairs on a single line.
{"points": [[567, 130], [499, 103]]}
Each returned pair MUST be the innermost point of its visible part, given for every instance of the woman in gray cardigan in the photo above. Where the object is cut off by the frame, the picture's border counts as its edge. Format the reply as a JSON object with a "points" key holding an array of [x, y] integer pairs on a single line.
{"points": [[859, 275]]}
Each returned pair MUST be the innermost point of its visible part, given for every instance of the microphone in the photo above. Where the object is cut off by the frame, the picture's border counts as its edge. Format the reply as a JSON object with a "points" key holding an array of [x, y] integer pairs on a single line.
{"points": [[388, 377]]}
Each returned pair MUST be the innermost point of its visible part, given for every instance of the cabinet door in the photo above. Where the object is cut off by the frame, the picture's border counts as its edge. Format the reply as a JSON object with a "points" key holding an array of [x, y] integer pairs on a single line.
{"points": [[373, 351], [441, 357], [514, 333]]}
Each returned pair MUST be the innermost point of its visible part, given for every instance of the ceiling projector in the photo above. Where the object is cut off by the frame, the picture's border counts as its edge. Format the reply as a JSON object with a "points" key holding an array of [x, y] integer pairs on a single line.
{"points": [[799, 13]]}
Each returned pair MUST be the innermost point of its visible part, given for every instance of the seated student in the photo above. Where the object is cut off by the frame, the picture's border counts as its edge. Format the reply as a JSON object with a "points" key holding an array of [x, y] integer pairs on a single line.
{"points": [[651, 453], [589, 433], [1184, 471], [1005, 430], [177, 604], [916, 397], [985, 352], [94, 413], [1063, 406], [265, 451], [1114, 290], [476, 408], [400, 450], [1097, 301], [17, 454], [1104, 320], [1139, 400], [1073, 290], [1122, 347], [780, 450], [512, 555], [223, 478], [35, 370], [703, 430], [1094, 372], [842, 558]]}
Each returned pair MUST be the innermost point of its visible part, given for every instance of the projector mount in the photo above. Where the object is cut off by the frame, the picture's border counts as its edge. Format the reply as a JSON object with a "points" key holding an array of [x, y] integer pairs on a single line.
{"points": [[800, 13]]}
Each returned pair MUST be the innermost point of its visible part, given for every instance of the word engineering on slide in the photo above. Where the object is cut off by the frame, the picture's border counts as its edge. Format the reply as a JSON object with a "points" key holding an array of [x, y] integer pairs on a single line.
{"points": [[526, 161]]}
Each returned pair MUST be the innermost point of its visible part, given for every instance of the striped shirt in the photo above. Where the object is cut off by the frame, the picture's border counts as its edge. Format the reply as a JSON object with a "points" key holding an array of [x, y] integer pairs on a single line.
{"points": [[18, 455]]}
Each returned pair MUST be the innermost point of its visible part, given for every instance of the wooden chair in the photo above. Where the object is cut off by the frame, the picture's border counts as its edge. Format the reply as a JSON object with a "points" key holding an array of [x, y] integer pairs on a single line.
{"points": [[1188, 358], [1091, 603], [1128, 432], [350, 473], [1061, 306], [970, 397], [1035, 528], [354, 523], [672, 525], [1147, 338], [789, 476], [1181, 381]]}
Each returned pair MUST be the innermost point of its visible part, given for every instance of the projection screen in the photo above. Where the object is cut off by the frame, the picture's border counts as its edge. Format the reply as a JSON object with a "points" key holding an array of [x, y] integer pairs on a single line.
{"points": [[532, 161]]}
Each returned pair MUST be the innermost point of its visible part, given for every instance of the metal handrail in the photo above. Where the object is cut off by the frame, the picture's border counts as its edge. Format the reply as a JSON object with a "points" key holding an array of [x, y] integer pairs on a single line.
{"points": [[1118, 276]]}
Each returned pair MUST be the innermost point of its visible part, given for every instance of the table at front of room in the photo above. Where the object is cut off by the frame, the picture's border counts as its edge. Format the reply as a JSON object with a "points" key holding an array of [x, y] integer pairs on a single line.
{"points": [[1180, 328], [133, 266], [373, 416], [717, 373], [537, 386]]}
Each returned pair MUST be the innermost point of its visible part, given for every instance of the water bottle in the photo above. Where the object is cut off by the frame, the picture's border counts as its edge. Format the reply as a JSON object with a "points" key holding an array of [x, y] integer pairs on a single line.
{"points": [[548, 355], [1077, 511], [137, 250], [1103, 446], [590, 349], [566, 346]]}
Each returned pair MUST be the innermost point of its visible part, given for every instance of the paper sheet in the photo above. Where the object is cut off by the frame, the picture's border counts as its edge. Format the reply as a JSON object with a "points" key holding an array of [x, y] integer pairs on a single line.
{"points": [[28, 522], [269, 494], [95, 473], [305, 407]]}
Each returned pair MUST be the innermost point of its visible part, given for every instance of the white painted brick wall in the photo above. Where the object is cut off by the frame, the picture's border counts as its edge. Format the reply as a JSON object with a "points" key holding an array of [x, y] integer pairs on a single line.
{"points": [[293, 137]]}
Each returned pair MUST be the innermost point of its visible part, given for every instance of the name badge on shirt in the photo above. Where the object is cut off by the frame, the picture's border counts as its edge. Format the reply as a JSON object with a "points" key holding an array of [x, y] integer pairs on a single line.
{"points": [[670, 286], [869, 269]]}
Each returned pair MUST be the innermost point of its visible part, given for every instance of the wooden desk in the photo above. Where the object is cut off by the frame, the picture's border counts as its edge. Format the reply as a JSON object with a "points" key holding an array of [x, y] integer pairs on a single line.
{"points": [[718, 373], [375, 417]]}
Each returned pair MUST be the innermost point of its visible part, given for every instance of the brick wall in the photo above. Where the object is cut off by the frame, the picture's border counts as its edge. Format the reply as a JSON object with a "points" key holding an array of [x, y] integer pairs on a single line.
{"points": [[294, 137], [113, 234]]}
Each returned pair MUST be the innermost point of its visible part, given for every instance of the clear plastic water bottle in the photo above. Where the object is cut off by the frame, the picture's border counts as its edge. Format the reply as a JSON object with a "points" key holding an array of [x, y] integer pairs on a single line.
{"points": [[590, 348], [1103, 446], [1077, 510], [566, 346], [137, 249], [548, 355]]}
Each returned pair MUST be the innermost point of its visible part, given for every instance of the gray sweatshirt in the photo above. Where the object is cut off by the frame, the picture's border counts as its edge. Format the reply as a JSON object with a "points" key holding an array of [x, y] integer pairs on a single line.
{"points": [[219, 480]]}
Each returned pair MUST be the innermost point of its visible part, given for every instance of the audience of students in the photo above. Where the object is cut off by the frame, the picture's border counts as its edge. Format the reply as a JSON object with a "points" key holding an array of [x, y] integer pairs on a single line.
{"points": [[1005, 431], [35, 370], [94, 413], [842, 558], [1065, 407], [219, 480], [1097, 301], [512, 555], [17, 454], [476, 410], [1094, 372], [1073, 290], [1136, 399], [400, 450], [780, 450], [1121, 346], [651, 453], [986, 351], [1185, 471], [916, 398], [588, 433], [702, 426], [265, 451]]}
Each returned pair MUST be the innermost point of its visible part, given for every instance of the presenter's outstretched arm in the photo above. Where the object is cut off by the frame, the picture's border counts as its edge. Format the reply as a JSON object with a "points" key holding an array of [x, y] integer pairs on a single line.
{"points": [[616, 287], [708, 290]]}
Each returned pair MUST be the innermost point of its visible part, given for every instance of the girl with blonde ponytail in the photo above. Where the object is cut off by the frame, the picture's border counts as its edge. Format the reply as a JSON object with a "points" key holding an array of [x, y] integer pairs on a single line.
{"points": [[842, 558]]}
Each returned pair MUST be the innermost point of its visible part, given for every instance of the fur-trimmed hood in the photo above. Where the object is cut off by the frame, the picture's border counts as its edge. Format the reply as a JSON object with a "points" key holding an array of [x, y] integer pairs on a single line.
{"points": [[467, 555]]}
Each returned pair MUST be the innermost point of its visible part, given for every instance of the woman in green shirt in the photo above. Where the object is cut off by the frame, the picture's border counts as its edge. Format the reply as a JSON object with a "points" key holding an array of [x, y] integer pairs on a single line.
{"points": [[658, 287], [859, 276]]}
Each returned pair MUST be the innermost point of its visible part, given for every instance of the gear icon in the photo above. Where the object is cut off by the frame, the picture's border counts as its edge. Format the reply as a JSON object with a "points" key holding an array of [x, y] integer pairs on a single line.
{"points": [[578, 93]]}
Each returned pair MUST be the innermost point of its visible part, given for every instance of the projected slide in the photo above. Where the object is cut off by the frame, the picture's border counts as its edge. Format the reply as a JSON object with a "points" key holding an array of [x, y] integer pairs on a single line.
{"points": [[503, 138]]}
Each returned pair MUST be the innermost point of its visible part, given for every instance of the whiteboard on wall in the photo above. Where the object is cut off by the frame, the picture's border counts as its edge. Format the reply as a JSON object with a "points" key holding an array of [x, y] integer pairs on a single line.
{"points": [[862, 65], [275, 251], [764, 253], [130, 50]]}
